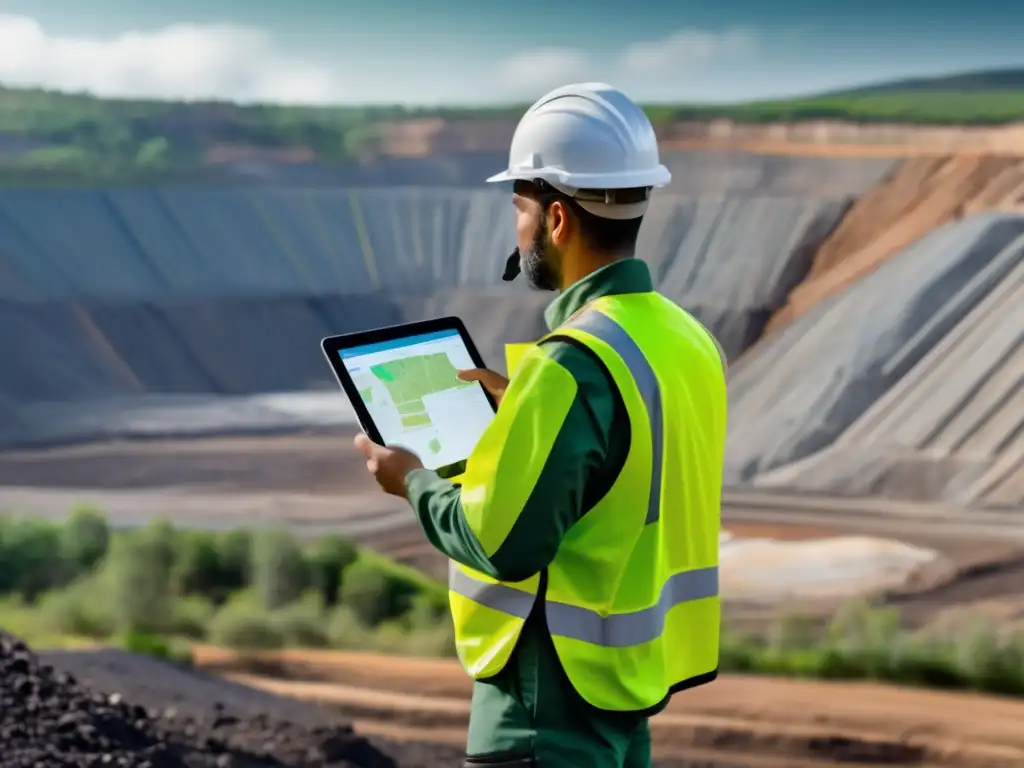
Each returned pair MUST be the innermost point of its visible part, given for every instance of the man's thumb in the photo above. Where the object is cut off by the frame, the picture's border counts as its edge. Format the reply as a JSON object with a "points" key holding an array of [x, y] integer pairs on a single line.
{"points": [[365, 445]]}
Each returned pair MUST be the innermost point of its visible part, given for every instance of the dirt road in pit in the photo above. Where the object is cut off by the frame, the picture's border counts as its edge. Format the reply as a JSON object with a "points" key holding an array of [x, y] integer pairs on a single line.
{"points": [[737, 721], [319, 480]]}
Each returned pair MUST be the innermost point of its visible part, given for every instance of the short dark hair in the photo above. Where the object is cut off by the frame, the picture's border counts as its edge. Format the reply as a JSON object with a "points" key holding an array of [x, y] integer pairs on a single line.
{"points": [[605, 236]]}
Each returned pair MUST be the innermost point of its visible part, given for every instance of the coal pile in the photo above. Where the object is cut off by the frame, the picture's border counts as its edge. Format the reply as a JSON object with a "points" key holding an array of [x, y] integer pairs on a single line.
{"points": [[48, 719]]}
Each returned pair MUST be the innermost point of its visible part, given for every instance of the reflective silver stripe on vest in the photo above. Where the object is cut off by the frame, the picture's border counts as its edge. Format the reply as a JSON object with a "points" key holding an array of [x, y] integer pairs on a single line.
{"points": [[611, 333], [619, 631], [499, 597]]}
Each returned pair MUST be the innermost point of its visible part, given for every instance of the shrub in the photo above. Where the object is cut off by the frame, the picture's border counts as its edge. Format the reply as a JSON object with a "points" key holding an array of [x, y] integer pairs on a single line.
{"points": [[439, 641], [156, 646], [790, 634], [373, 595], [345, 630], [391, 637], [190, 616], [328, 558], [82, 609], [426, 613], [242, 623], [278, 570], [303, 624]]}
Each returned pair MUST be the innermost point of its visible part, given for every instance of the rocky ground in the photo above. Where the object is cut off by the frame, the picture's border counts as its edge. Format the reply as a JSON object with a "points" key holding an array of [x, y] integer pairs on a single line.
{"points": [[49, 717]]}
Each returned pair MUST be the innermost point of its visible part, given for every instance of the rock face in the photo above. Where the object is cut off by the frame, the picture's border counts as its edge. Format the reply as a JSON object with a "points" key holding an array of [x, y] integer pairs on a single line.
{"points": [[907, 384], [110, 297], [48, 718], [923, 193]]}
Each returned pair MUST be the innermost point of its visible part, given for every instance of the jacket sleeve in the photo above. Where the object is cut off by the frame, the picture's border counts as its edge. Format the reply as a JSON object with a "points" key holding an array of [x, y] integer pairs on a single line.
{"points": [[526, 481]]}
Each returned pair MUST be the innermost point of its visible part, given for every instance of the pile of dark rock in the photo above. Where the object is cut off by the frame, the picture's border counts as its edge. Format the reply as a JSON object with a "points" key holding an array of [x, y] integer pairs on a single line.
{"points": [[48, 719]]}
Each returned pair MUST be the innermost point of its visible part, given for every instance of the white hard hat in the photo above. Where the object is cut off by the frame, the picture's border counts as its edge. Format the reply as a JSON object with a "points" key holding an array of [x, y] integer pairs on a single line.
{"points": [[588, 136]]}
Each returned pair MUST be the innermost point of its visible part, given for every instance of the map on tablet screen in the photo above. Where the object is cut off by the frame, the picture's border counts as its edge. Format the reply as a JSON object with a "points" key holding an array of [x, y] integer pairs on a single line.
{"points": [[410, 389]]}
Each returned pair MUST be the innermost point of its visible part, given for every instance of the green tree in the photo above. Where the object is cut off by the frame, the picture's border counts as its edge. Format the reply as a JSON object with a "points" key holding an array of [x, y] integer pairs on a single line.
{"points": [[235, 556], [278, 570], [373, 595], [328, 558], [198, 569], [85, 538], [30, 557], [139, 572]]}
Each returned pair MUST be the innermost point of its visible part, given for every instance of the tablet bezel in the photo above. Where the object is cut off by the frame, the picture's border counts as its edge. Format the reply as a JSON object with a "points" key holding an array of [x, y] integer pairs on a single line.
{"points": [[333, 345]]}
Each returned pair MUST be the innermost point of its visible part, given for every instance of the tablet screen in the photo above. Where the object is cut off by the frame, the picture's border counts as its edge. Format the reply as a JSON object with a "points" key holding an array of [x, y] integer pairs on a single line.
{"points": [[410, 388]]}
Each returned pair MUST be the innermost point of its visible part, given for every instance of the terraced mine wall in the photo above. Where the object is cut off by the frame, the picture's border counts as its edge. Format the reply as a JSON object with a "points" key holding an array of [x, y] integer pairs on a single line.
{"points": [[120, 299], [891, 293], [909, 383]]}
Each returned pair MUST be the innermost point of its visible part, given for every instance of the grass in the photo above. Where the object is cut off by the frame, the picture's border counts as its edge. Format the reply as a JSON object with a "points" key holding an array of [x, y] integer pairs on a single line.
{"points": [[28, 623]]}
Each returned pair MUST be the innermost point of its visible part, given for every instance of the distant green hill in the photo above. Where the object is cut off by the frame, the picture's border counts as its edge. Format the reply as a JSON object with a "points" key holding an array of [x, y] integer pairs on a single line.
{"points": [[994, 80], [75, 138]]}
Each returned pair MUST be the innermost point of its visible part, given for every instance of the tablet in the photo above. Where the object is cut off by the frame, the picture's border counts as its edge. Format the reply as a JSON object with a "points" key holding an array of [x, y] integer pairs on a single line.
{"points": [[403, 386]]}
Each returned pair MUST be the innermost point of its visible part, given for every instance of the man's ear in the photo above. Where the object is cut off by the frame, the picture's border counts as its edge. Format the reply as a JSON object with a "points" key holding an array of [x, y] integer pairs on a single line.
{"points": [[559, 223]]}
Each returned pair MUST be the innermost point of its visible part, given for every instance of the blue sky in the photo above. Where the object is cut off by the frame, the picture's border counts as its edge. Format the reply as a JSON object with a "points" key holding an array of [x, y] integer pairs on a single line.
{"points": [[485, 51]]}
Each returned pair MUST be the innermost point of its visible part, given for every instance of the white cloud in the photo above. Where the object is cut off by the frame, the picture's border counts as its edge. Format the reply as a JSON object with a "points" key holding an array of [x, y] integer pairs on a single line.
{"points": [[194, 61], [683, 51], [535, 71], [644, 67], [179, 61]]}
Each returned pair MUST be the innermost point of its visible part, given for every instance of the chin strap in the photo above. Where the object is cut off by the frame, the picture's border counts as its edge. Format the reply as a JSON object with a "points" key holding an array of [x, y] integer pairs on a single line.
{"points": [[512, 267]]}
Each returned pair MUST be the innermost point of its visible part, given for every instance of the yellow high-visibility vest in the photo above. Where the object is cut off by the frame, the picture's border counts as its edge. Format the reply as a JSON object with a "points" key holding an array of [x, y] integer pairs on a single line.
{"points": [[631, 598]]}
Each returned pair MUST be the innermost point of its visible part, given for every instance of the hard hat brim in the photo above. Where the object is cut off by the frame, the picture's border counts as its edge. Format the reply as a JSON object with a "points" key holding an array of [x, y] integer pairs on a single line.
{"points": [[655, 177], [503, 176]]}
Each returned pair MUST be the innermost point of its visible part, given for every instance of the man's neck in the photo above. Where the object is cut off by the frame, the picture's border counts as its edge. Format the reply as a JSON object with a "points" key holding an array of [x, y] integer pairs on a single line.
{"points": [[588, 266]]}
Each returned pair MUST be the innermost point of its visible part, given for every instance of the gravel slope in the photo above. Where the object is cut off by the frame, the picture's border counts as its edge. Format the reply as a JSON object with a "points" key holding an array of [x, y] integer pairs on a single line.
{"points": [[109, 709]]}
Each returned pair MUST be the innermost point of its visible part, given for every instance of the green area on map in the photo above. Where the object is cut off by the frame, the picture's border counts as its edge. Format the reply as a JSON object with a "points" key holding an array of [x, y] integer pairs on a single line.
{"points": [[410, 378], [434, 445], [366, 394]]}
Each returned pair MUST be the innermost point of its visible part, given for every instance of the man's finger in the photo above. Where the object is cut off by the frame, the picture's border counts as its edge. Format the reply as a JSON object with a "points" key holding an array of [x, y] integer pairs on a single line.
{"points": [[474, 374], [492, 381]]}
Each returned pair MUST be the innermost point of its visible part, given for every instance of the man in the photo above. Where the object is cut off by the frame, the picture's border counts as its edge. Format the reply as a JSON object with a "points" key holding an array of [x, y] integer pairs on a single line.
{"points": [[584, 533]]}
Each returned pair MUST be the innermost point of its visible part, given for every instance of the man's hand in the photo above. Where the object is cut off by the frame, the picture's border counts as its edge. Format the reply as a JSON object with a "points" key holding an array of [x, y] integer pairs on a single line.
{"points": [[389, 466], [494, 383]]}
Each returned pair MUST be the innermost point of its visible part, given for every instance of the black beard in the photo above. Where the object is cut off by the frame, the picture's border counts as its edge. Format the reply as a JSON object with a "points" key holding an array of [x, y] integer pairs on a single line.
{"points": [[537, 264]]}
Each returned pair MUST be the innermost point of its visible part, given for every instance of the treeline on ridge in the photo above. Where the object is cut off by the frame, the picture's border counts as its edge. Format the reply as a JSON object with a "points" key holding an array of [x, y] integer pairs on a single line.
{"points": [[77, 138]]}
